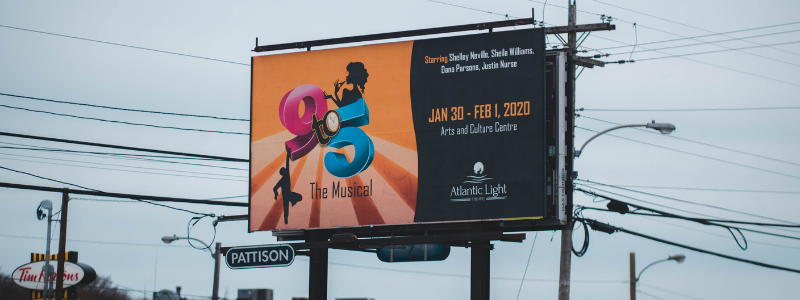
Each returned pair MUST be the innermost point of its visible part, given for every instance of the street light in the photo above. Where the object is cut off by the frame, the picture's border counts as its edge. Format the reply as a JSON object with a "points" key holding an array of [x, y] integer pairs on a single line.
{"points": [[215, 255], [664, 128], [40, 214], [677, 257]]}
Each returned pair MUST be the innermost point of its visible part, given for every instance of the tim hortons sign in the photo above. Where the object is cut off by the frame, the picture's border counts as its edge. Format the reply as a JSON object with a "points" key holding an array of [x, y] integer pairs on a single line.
{"points": [[31, 275]]}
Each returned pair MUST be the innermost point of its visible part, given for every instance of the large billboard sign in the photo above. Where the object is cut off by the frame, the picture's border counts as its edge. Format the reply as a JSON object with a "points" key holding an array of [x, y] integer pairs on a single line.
{"points": [[436, 130]]}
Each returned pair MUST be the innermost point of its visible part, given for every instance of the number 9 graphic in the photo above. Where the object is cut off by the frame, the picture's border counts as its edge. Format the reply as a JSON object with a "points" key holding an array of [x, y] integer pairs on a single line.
{"points": [[289, 112]]}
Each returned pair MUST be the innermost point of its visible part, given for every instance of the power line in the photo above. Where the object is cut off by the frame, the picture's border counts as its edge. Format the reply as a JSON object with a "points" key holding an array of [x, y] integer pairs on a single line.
{"points": [[125, 166], [125, 109], [698, 155], [668, 291], [473, 9], [122, 147], [686, 58], [610, 229], [752, 54], [704, 189], [99, 191], [593, 194], [123, 45], [705, 144], [119, 156], [682, 24], [707, 43], [527, 265], [694, 203], [120, 195], [119, 122], [95, 242], [130, 171], [722, 236], [710, 64], [109, 154], [715, 51], [693, 109], [673, 216], [714, 34], [650, 295], [45, 178]]}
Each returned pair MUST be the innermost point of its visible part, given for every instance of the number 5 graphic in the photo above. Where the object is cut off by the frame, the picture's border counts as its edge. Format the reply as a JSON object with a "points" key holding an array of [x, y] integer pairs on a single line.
{"points": [[352, 116]]}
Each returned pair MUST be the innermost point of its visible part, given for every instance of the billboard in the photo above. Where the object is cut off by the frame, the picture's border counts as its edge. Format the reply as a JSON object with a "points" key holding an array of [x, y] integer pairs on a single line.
{"points": [[435, 130]]}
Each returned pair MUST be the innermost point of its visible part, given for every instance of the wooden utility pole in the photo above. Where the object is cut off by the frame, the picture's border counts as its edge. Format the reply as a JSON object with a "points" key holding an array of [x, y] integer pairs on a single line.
{"points": [[566, 234], [62, 245], [633, 276]]}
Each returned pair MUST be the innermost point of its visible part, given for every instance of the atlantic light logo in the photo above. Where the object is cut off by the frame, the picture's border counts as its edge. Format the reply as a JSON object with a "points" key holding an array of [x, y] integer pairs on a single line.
{"points": [[478, 190]]}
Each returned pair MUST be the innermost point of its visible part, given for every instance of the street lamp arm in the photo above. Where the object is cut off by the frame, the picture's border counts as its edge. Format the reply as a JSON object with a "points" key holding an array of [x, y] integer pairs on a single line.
{"points": [[645, 268], [578, 153]]}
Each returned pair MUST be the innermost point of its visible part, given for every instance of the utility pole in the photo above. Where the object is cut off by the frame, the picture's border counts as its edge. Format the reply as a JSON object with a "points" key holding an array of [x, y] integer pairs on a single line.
{"points": [[215, 292], [566, 233], [633, 276], [62, 245]]}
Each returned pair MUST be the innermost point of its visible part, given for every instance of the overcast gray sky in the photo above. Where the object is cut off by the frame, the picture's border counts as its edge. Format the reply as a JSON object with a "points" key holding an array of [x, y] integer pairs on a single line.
{"points": [[52, 67]]}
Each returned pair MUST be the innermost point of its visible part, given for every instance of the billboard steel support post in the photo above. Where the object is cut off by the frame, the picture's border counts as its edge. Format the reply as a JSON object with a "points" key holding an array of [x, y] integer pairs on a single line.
{"points": [[479, 277], [318, 274], [215, 291], [62, 245], [566, 234]]}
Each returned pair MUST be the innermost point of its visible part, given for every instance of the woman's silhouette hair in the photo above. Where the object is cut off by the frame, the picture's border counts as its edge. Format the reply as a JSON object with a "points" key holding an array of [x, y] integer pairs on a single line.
{"points": [[357, 74]]}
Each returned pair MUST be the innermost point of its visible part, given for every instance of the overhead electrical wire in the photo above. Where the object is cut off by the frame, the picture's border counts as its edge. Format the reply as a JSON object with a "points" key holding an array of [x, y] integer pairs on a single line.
{"points": [[122, 45], [125, 166], [649, 295], [687, 218], [715, 34], [95, 242], [693, 203], [707, 43], [685, 58], [715, 51], [701, 143], [712, 65], [721, 235], [125, 109], [668, 291], [704, 189], [110, 155], [610, 229], [129, 171], [470, 8], [593, 194], [45, 178], [120, 122], [682, 24], [95, 190], [698, 155], [193, 155]]}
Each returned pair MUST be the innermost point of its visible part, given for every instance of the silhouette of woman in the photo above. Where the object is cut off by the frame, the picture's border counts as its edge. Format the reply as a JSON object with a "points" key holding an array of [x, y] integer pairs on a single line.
{"points": [[357, 76], [285, 184]]}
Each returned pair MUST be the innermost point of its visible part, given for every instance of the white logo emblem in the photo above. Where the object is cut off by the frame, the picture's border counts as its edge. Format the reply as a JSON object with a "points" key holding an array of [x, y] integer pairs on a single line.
{"points": [[478, 168]]}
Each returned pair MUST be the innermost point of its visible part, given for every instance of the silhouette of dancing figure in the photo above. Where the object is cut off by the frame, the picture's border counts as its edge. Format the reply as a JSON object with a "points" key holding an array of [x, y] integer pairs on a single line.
{"points": [[357, 76], [285, 184]]}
